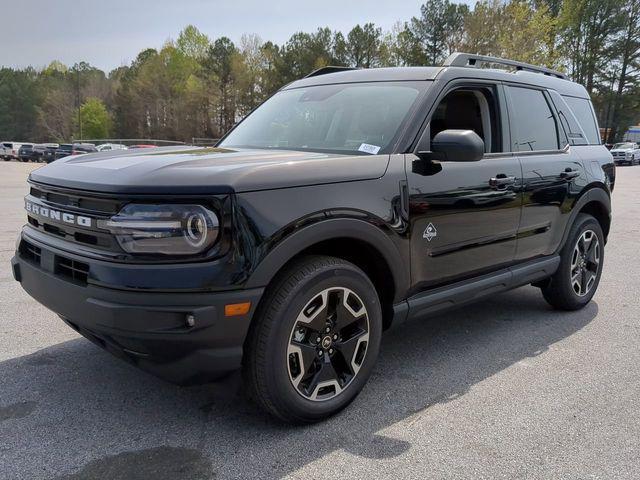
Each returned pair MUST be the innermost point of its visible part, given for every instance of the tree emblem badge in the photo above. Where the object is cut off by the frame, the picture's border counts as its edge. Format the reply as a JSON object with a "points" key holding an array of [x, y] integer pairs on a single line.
{"points": [[430, 232]]}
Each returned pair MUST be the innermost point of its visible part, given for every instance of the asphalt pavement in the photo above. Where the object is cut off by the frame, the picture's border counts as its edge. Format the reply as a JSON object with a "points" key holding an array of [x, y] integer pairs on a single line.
{"points": [[506, 388]]}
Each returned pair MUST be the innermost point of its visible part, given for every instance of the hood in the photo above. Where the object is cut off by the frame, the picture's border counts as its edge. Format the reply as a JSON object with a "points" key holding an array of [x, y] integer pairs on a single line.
{"points": [[197, 170]]}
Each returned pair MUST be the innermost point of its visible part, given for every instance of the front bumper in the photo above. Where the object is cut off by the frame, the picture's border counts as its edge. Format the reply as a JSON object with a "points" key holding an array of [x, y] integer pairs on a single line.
{"points": [[145, 327]]}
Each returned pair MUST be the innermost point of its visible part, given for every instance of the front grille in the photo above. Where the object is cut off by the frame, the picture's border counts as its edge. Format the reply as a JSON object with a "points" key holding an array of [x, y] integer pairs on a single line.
{"points": [[77, 272], [76, 203], [619, 155]]}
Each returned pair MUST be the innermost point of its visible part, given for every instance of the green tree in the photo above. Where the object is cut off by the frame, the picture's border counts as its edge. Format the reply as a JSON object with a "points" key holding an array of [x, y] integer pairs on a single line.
{"points": [[192, 43], [19, 97], [528, 35], [626, 51], [96, 121], [482, 28], [588, 29], [363, 45], [219, 64], [439, 29]]}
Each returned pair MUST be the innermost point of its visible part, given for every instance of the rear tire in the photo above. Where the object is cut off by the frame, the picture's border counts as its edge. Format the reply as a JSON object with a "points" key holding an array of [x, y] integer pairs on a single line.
{"points": [[287, 371], [581, 261]]}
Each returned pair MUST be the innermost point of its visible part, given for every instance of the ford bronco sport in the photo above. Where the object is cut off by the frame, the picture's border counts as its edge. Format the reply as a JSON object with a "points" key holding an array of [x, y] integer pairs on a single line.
{"points": [[349, 201]]}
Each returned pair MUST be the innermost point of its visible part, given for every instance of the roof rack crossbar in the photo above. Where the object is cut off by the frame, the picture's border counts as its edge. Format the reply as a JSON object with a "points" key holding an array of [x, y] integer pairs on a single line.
{"points": [[459, 59], [328, 69]]}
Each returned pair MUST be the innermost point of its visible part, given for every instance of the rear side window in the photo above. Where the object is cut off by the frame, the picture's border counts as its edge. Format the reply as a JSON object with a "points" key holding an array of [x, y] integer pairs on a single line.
{"points": [[534, 125], [581, 108]]}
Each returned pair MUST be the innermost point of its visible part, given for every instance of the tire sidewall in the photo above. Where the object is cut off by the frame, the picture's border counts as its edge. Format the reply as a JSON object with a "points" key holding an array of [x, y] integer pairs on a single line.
{"points": [[583, 223], [335, 276]]}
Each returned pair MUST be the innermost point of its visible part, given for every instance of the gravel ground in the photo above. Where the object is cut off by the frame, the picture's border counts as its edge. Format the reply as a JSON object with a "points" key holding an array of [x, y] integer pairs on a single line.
{"points": [[507, 388]]}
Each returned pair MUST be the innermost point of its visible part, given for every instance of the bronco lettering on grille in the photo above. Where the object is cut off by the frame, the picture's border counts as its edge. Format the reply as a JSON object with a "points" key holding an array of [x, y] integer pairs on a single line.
{"points": [[57, 215]]}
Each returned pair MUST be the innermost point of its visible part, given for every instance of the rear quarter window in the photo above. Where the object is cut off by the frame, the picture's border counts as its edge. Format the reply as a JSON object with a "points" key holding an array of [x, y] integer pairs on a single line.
{"points": [[581, 108]]}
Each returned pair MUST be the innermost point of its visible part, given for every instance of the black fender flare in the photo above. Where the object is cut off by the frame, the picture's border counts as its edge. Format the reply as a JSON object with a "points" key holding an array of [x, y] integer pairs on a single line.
{"points": [[330, 229], [594, 194]]}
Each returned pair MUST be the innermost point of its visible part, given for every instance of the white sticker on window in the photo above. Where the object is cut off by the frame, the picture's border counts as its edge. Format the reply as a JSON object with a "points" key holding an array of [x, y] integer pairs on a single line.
{"points": [[372, 149]]}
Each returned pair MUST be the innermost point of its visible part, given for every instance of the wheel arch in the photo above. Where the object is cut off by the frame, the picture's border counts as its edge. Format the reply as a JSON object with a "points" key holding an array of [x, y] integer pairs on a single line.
{"points": [[596, 202], [357, 241]]}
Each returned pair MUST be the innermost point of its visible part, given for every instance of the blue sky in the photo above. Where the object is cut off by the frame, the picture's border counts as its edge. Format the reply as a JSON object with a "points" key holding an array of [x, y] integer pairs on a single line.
{"points": [[110, 33]]}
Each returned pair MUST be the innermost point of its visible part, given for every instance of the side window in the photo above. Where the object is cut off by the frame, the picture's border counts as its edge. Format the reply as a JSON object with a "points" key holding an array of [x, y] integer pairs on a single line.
{"points": [[582, 110], [534, 126], [470, 109]]}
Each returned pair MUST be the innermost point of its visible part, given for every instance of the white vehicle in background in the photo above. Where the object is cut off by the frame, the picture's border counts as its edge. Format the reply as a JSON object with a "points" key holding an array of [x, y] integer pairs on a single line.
{"points": [[626, 153], [105, 147], [9, 150]]}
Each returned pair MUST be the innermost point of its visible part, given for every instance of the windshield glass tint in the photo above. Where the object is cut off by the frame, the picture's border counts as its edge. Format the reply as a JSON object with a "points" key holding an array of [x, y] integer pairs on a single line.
{"points": [[624, 145], [350, 118]]}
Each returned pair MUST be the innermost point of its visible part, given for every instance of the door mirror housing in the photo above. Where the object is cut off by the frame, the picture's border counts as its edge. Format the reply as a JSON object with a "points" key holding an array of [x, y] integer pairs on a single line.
{"points": [[455, 146]]}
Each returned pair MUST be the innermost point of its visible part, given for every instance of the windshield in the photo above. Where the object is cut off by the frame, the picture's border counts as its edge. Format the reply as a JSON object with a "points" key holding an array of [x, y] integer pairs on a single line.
{"points": [[624, 145], [351, 118]]}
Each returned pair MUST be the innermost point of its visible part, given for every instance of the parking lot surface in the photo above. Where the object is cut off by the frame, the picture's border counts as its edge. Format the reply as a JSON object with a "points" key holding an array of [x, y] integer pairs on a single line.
{"points": [[507, 388]]}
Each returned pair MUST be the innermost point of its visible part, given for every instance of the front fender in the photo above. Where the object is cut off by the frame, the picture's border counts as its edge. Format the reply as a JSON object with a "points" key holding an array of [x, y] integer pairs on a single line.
{"points": [[330, 229]]}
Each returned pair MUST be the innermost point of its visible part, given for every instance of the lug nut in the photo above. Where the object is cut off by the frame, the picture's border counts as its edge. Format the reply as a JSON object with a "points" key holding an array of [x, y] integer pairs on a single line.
{"points": [[319, 353], [335, 337], [318, 339], [331, 351], [328, 329]]}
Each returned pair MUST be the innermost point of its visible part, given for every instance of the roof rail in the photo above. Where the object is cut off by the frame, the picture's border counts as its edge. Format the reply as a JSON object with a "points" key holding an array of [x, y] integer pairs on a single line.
{"points": [[328, 69], [459, 59]]}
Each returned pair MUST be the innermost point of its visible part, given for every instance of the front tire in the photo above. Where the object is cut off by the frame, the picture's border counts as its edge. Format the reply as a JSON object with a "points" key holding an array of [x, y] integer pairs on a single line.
{"points": [[314, 341], [581, 261]]}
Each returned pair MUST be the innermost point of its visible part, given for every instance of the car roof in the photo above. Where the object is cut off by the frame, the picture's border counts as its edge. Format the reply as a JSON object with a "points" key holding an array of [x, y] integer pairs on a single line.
{"points": [[397, 74]]}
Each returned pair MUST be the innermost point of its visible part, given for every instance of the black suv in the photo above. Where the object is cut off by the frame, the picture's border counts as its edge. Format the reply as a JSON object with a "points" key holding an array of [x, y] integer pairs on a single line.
{"points": [[25, 152], [349, 201]]}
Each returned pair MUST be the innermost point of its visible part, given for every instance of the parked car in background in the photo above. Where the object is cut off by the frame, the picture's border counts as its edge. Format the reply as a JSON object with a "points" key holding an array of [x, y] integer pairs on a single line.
{"points": [[49, 153], [40, 149], [626, 153], [25, 151], [66, 149], [105, 147], [10, 150]]}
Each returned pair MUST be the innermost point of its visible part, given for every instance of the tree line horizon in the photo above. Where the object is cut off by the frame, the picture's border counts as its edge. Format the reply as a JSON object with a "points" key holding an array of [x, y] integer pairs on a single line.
{"points": [[196, 86]]}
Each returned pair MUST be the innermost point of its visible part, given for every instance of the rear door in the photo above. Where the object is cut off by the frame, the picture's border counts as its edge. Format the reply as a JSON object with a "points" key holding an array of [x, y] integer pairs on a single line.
{"points": [[552, 171]]}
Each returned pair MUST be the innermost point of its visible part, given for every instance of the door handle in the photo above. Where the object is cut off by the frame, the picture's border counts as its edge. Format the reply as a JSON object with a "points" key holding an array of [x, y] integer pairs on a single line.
{"points": [[501, 180], [569, 174]]}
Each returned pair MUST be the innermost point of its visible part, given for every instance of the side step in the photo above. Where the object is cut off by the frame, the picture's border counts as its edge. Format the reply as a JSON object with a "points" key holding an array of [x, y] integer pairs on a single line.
{"points": [[468, 291]]}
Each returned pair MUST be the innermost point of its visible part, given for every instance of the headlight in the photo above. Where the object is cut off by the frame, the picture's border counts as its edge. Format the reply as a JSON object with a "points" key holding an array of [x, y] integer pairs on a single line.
{"points": [[164, 229]]}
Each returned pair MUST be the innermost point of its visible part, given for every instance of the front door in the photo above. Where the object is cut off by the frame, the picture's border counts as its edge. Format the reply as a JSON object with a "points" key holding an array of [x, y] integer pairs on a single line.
{"points": [[464, 216]]}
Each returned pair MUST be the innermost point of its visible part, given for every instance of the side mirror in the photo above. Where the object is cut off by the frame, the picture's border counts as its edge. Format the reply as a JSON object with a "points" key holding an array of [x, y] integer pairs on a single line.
{"points": [[455, 146]]}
